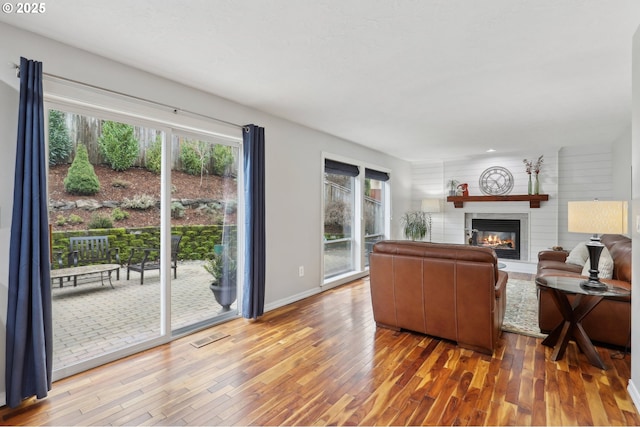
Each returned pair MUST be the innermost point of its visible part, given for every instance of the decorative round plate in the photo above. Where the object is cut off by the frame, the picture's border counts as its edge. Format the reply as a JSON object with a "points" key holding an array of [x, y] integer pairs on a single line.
{"points": [[496, 181]]}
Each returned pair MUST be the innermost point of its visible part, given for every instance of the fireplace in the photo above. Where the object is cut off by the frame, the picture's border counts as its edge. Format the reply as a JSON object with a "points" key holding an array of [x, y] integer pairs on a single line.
{"points": [[502, 235]]}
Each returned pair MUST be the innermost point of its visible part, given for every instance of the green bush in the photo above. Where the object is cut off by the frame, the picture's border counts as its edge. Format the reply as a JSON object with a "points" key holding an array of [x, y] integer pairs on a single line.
{"points": [[100, 221], [118, 145], [59, 142], [222, 159], [61, 220], [81, 178], [118, 214], [139, 201], [195, 155], [153, 161], [75, 219], [177, 210]]}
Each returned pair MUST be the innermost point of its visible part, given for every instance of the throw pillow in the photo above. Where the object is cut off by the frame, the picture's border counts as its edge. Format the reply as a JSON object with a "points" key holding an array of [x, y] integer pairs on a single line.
{"points": [[605, 265], [578, 255]]}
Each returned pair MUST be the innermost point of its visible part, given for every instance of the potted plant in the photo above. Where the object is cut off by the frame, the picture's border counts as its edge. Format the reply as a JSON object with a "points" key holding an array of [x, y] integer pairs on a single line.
{"points": [[415, 225], [453, 186], [223, 270]]}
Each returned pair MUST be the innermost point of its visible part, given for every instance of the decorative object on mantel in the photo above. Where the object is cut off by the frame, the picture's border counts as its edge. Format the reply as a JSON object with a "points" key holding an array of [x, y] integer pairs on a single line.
{"points": [[415, 225], [534, 200], [453, 185], [495, 181], [464, 189], [531, 166]]}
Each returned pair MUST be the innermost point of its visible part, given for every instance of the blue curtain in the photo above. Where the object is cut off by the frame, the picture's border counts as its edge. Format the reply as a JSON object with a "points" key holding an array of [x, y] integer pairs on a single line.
{"points": [[29, 330], [254, 222]]}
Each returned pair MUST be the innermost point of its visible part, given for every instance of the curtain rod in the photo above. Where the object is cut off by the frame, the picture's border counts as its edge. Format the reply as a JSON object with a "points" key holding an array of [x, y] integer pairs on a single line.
{"points": [[137, 98]]}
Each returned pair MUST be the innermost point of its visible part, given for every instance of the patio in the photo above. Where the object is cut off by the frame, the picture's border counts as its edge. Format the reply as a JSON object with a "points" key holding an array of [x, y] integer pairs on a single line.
{"points": [[93, 319]]}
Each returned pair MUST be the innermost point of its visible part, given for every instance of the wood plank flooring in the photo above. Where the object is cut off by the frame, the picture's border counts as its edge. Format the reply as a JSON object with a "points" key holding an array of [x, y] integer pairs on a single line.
{"points": [[322, 361]]}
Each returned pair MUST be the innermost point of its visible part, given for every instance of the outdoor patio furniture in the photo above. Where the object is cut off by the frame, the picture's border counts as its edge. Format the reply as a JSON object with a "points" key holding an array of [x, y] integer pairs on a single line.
{"points": [[86, 251], [144, 259]]}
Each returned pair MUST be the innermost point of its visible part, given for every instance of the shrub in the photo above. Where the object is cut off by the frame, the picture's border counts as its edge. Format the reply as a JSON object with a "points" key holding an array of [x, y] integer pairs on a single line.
{"points": [[139, 201], [59, 142], [100, 221], [75, 219], [177, 210], [153, 161], [60, 220], [118, 214], [118, 145], [195, 155], [222, 159], [81, 178]]}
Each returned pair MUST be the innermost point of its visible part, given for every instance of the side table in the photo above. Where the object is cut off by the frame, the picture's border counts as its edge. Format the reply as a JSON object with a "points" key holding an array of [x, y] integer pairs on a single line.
{"points": [[573, 313]]}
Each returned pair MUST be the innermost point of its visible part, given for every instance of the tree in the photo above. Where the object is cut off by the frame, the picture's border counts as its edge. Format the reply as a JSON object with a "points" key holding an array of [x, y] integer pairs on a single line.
{"points": [[118, 145], [195, 155], [59, 142], [81, 177]]}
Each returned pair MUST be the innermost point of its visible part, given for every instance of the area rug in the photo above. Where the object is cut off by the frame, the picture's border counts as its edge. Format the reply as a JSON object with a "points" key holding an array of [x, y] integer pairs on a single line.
{"points": [[521, 316]]}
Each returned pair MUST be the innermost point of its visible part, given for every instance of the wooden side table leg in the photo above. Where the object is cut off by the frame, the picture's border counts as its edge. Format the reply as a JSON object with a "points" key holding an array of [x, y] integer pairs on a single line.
{"points": [[579, 334]]}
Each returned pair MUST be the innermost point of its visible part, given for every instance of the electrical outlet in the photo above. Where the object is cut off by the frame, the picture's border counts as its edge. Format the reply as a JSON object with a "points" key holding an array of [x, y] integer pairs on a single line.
{"points": [[301, 271]]}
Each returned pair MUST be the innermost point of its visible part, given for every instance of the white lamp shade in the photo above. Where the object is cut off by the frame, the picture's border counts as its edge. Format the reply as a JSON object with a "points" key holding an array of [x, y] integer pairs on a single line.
{"points": [[598, 217], [430, 205]]}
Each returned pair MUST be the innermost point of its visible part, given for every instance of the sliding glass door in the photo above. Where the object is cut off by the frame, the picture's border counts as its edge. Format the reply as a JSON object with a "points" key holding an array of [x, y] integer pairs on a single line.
{"points": [[165, 201], [206, 286], [102, 191]]}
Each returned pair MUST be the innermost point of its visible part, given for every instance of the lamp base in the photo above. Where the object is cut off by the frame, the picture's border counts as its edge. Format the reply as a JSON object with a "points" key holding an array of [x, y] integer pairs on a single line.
{"points": [[593, 285]]}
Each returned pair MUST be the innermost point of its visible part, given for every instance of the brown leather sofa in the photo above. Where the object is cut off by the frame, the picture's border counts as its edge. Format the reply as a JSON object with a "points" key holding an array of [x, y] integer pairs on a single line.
{"points": [[449, 291], [610, 321]]}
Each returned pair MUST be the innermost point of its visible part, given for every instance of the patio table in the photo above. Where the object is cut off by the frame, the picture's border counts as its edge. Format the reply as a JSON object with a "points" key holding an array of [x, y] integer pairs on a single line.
{"points": [[84, 270]]}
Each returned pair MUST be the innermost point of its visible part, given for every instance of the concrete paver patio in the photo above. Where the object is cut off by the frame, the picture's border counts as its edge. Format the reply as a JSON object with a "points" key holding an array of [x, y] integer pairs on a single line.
{"points": [[92, 319]]}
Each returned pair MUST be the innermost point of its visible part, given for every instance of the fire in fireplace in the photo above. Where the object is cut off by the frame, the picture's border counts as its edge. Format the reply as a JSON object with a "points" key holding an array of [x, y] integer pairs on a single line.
{"points": [[502, 235]]}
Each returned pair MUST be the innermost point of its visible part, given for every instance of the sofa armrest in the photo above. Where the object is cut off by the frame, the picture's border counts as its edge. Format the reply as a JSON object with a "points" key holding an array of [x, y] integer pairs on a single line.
{"points": [[553, 256], [501, 284]]}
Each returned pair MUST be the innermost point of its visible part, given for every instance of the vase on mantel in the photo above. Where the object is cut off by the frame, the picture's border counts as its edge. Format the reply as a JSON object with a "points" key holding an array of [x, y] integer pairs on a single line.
{"points": [[529, 190], [536, 186]]}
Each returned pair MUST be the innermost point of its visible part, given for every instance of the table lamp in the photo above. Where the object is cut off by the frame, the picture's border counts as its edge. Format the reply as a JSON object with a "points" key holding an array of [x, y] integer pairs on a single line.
{"points": [[597, 217], [430, 206]]}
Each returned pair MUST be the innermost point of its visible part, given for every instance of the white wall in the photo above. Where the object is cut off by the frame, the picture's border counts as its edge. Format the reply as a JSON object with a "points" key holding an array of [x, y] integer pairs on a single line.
{"points": [[634, 384], [293, 159]]}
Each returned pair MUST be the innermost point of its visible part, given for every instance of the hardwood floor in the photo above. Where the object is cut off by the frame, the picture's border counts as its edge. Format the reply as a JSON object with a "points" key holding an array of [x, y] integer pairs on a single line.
{"points": [[322, 361]]}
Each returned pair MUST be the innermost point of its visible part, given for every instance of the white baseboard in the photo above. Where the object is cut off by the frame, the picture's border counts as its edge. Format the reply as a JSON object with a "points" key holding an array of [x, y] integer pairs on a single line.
{"points": [[633, 392], [291, 299]]}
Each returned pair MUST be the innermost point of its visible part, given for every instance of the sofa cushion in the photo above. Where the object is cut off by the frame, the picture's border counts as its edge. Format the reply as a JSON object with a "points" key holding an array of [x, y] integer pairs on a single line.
{"points": [[578, 255], [605, 265]]}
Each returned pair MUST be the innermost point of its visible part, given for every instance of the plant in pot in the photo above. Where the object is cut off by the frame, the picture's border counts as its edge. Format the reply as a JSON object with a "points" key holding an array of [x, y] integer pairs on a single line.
{"points": [[415, 225], [223, 270], [453, 186]]}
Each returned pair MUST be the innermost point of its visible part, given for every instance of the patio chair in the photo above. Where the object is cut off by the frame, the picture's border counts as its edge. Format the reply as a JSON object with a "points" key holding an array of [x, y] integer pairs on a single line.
{"points": [[152, 262]]}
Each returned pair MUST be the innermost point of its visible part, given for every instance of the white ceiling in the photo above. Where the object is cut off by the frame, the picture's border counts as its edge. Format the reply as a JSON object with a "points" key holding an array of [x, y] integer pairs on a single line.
{"points": [[421, 79]]}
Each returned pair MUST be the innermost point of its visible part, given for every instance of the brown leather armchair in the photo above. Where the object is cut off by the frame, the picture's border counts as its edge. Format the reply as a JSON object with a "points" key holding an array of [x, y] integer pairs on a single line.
{"points": [[449, 291]]}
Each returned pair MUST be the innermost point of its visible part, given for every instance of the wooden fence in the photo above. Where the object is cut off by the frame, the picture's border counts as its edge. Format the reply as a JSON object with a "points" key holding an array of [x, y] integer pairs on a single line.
{"points": [[87, 130]]}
